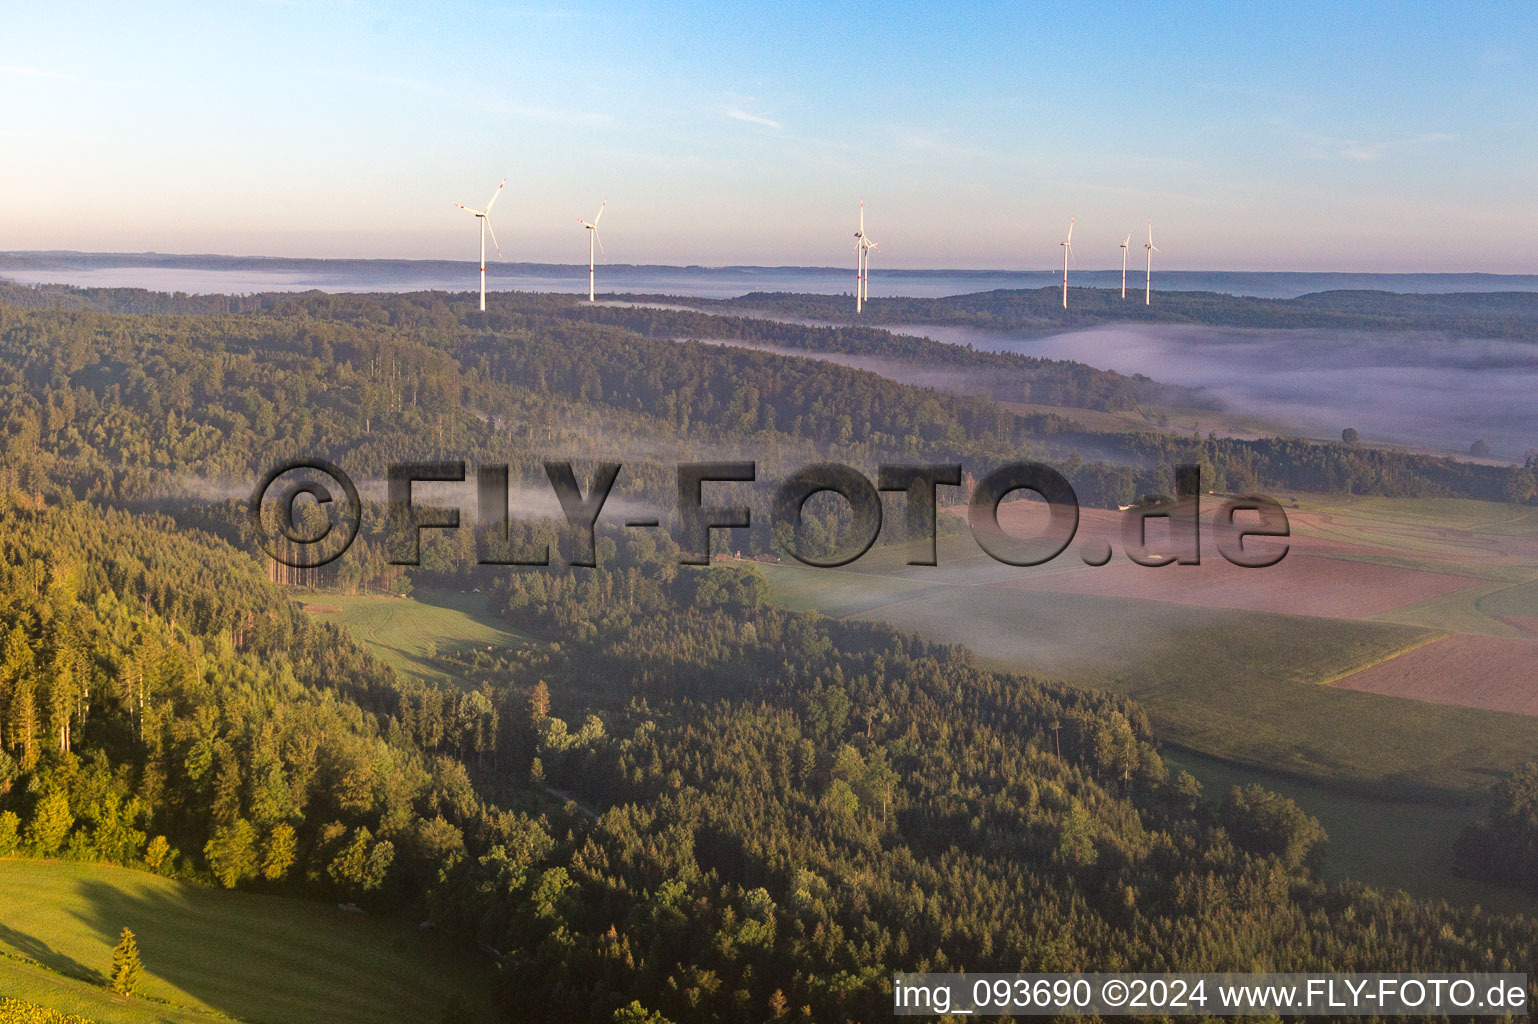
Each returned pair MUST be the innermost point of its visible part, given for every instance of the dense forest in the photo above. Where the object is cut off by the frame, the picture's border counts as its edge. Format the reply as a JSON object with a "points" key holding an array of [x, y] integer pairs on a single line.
{"points": [[674, 802], [133, 407], [681, 796], [1511, 315]]}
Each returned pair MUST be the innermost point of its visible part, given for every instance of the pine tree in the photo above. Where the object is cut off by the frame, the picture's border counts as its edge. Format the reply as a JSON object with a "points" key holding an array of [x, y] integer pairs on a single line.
{"points": [[22, 723], [539, 702], [126, 965], [51, 821], [60, 690]]}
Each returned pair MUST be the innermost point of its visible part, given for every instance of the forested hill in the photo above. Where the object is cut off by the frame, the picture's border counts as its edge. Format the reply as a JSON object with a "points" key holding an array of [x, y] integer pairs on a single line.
{"points": [[1047, 381], [774, 811], [771, 811], [118, 407], [1511, 315]]}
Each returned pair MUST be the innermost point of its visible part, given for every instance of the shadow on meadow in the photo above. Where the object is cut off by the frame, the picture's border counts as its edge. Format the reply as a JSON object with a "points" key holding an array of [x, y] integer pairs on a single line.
{"points": [[273, 959], [37, 949]]}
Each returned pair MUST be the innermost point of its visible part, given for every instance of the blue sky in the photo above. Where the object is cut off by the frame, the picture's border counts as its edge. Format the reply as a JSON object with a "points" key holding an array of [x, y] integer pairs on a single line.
{"points": [[1257, 136]]}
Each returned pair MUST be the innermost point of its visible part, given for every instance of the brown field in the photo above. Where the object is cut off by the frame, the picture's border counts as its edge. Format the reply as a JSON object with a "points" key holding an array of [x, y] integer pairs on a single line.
{"points": [[1314, 578], [1455, 569], [1471, 671]]}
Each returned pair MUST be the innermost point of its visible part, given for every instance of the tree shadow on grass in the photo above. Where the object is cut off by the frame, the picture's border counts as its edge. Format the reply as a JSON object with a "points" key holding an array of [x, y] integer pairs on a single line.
{"points": [[261, 961], [37, 949]]}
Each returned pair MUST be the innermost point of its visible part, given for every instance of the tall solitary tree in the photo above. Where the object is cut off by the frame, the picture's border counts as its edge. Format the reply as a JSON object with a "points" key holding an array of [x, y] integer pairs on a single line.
{"points": [[127, 968], [539, 703]]}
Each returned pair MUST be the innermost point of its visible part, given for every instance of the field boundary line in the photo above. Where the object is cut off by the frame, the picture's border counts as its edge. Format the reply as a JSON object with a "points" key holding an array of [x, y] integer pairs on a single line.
{"points": [[1436, 637]]}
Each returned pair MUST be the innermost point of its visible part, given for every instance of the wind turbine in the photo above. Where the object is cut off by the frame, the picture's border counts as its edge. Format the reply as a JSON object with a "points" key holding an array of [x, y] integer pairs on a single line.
{"points": [[862, 247], [1067, 245], [1148, 281], [1126, 245], [485, 218], [592, 237], [868, 246]]}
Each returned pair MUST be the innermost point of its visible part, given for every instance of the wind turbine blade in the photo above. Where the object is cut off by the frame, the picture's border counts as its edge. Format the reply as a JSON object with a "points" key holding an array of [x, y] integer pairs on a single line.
{"points": [[599, 239], [1070, 232], [600, 214], [862, 217], [462, 206], [493, 238], [1072, 258], [493, 200]]}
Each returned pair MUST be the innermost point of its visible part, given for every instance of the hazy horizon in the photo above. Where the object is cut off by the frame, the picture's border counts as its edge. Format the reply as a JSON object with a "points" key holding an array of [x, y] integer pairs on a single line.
{"points": [[241, 275], [877, 269]]}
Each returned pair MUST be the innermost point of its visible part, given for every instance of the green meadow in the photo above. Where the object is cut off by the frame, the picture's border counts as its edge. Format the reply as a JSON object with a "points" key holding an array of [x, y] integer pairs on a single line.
{"points": [[405, 632], [212, 955]]}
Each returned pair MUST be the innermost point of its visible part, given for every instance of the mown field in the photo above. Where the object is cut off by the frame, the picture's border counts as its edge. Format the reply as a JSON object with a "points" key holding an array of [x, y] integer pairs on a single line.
{"points": [[212, 955]]}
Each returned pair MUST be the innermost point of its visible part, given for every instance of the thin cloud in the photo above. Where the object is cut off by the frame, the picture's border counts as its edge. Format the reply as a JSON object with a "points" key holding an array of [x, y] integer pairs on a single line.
{"points": [[738, 114], [1328, 147], [1377, 150]]}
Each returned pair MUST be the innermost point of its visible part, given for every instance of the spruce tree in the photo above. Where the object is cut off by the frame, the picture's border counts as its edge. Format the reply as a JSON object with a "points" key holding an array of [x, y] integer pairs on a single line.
{"points": [[126, 965]]}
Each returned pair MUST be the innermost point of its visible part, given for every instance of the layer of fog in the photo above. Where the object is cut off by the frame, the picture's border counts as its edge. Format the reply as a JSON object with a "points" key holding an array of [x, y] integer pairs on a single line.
{"points": [[1412, 388], [523, 501]]}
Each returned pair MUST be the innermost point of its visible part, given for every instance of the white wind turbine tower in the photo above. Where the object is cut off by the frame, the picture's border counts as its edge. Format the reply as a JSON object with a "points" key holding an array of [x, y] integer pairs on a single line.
{"points": [[1067, 245], [868, 245], [1125, 246], [1148, 280], [592, 237], [862, 247], [485, 219]]}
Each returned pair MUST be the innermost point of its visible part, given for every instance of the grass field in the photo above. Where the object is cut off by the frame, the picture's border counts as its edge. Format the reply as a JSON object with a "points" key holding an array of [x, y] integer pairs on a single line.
{"points": [[1385, 843], [211, 954], [405, 631]]}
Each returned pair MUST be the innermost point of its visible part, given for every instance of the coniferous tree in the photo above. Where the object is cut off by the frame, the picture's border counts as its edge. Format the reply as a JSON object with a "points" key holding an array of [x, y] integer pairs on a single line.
{"points": [[127, 968]]}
